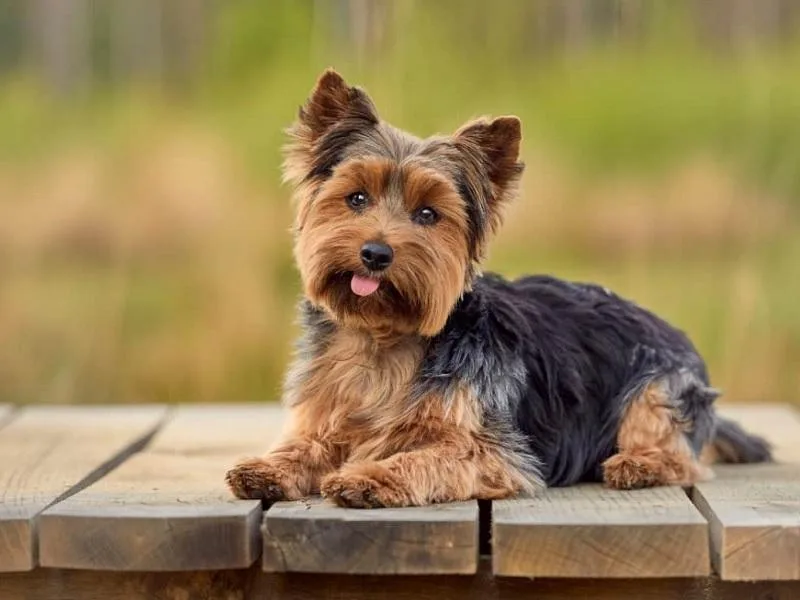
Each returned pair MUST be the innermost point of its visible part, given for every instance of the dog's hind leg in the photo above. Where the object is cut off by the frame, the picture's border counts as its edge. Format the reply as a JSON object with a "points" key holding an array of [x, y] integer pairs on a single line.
{"points": [[656, 434]]}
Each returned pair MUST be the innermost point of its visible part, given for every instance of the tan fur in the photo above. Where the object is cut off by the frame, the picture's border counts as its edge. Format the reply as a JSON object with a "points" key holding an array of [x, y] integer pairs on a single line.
{"points": [[709, 455], [358, 432], [720, 451], [653, 449], [331, 100], [330, 236], [356, 437], [500, 140]]}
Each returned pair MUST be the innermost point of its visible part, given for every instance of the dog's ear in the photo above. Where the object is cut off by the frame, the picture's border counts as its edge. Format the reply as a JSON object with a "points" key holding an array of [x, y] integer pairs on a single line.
{"points": [[332, 106], [495, 145], [331, 101]]}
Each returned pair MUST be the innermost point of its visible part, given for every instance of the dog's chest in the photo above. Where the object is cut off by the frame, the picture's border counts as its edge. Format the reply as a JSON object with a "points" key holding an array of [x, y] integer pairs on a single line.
{"points": [[362, 374], [354, 386]]}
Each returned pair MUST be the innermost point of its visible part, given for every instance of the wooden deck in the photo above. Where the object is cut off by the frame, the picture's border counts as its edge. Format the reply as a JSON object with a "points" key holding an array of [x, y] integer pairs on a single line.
{"points": [[129, 502]]}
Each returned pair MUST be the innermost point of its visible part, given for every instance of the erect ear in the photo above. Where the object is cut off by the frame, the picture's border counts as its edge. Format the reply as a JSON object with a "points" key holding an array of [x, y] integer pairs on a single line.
{"points": [[497, 143], [331, 101], [332, 105]]}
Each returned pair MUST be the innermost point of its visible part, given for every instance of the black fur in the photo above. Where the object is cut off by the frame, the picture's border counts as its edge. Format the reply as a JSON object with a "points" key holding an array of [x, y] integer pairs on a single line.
{"points": [[560, 362], [554, 364], [735, 445]]}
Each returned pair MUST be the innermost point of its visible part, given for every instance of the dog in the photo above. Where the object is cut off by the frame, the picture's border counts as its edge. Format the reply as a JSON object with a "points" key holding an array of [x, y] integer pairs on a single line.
{"points": [[417, 379]]}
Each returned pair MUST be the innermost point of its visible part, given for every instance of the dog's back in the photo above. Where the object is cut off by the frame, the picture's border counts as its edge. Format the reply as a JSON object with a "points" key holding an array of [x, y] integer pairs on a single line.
{"points": [[602, 375]]}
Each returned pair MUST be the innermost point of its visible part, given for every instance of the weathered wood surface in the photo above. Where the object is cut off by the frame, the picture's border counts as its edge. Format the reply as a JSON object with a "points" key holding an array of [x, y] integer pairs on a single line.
{"points": [[754, 517], [47, 453], [319, 537], [102, 506], [168, 509], [754, 510], [252, 584], [590, 531]]}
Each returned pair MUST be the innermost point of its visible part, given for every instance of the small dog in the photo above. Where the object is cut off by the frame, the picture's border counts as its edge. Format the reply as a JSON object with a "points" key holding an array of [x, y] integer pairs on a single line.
{"points": [[419, 380]]}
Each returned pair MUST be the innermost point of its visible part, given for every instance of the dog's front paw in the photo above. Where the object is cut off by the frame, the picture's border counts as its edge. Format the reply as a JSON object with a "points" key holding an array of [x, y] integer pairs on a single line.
{"points": [[256, 479], [364, 485], [632, 471]]}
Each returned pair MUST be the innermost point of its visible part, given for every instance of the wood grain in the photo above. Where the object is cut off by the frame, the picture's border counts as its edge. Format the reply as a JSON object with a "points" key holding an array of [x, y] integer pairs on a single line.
{"points": [[168, 508], [47, 453], [224, 431], [754, 517], [319, 537], [590, 531], [754, 510]]}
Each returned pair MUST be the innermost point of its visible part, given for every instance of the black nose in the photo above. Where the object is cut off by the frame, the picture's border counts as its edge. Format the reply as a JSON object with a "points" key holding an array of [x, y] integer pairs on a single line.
{"points": [[375, 256]]}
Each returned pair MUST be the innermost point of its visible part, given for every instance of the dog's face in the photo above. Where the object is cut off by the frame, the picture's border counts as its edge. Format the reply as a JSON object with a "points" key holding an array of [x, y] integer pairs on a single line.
{"points": [[390, 227]]}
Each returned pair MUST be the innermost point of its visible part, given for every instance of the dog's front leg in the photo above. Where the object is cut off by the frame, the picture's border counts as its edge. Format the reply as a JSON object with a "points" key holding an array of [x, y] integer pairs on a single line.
{"points": [[444, 472], [291, 471]]}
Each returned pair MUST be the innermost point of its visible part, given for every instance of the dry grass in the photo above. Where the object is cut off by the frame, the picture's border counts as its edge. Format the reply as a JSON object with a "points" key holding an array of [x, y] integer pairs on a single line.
{"points": [[155, 273], [161, 270], [695, 208]]}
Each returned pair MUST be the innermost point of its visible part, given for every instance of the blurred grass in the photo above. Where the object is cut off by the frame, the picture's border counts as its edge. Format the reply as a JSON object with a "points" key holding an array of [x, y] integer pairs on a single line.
{"points": [[144, 245]]}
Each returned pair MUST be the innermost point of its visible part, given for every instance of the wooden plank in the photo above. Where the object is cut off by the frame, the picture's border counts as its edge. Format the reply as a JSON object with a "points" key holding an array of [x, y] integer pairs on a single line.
{"points": [[778, 423], [252, 584], [590, 531], [168, 508], [318, 537], [754, 518], [754, 510], [234, 430], [47, 453]]}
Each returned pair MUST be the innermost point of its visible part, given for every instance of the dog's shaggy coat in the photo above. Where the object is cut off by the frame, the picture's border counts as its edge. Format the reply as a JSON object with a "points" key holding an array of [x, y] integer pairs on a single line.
{"points": [[420, 380]]}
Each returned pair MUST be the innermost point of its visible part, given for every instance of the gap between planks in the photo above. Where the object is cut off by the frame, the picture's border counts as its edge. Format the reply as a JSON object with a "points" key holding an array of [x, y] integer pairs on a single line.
{"points": [[754, 510], [168, 508], [285, 530], [586, 531], [578, 532], [48, 453]]}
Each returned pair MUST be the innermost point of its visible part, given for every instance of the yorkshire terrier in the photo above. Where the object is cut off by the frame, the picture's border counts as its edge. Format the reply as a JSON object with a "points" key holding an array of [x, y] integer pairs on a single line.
{"points": [[418, 379]]}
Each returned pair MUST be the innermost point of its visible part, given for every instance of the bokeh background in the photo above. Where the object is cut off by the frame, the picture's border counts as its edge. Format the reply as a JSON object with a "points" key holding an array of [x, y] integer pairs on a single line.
{"points": [[145, 252]]}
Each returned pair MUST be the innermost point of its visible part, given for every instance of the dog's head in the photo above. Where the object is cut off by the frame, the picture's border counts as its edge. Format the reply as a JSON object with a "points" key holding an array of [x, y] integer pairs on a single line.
{"points": [[390, 228]]}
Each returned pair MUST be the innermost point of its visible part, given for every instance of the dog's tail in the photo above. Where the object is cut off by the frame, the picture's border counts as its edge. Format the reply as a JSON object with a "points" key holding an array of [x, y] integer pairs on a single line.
{"points": [[733, 445]]}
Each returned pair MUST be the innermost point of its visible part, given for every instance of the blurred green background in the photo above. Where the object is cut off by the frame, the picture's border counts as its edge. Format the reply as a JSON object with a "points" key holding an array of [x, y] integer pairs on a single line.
{"points": [[145, 252]]}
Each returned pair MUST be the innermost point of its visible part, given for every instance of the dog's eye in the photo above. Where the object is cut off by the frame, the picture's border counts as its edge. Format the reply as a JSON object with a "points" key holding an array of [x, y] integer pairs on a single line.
{"points": [[357, 200], [425, 216]]}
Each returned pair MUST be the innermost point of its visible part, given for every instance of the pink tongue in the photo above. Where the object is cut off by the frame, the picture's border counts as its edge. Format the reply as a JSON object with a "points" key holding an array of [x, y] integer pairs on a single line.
{"points": [[363, 286]]}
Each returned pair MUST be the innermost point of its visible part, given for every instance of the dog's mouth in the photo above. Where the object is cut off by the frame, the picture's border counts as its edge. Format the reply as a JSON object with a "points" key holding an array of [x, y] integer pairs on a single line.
{"points": [[363, 285], [351, 286], [361, 294], [359, 289]]}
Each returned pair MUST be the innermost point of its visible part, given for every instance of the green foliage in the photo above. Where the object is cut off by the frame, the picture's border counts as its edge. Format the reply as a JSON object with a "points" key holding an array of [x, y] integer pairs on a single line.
{"points": [[612, 105], [253, 38], [212, 321]]}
